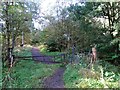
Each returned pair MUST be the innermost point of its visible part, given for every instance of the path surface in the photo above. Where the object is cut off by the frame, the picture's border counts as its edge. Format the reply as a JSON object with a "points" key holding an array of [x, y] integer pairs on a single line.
{"points": [[42, 58], [56, 79]]}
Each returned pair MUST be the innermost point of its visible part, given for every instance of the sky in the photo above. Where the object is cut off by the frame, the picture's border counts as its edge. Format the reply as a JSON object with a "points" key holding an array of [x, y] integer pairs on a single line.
{"points": [[47, 7]]}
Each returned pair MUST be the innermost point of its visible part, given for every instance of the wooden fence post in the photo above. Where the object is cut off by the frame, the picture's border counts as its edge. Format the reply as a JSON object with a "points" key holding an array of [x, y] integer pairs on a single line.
{"points": [[54, 58]]}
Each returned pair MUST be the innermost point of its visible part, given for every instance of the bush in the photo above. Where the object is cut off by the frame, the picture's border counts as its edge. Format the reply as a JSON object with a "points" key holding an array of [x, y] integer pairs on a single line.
{"points": [[43, 48]]}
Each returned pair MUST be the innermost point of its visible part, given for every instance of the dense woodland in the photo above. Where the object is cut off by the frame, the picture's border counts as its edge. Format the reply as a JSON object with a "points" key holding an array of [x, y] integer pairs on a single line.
{"points": [[76, 27]]}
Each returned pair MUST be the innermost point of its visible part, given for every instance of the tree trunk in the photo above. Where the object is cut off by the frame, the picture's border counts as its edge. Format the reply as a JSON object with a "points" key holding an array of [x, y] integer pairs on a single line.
{"points": [[8, 33], [13, 41]]}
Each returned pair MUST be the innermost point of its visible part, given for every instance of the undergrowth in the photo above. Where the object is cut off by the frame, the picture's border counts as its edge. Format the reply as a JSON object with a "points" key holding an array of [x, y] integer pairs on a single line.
{"points": [[0, 73], [101, 75]]}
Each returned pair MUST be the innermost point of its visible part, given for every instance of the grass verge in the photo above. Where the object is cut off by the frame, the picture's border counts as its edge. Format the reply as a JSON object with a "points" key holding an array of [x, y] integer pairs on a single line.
{"points": [[27, 73], [102, 75]]}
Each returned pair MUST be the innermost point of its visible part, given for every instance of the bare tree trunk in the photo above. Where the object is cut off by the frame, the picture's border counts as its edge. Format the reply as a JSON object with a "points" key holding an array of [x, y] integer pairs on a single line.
{"points": [[3, 45], [8, 33]]}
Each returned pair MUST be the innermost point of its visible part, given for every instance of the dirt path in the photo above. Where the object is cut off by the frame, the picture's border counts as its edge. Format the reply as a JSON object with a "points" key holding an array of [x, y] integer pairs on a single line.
{"points": [[56, 79], [42, 58]]}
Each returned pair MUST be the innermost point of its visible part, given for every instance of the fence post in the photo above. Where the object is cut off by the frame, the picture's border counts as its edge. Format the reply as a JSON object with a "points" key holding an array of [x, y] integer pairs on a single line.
{"points": [[64, 58], [43, 58], [54, 58]]}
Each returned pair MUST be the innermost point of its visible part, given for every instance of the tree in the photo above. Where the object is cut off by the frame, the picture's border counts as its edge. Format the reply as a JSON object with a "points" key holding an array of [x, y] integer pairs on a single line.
{"points": [[86, 24], [15, 16], [89, 13]]}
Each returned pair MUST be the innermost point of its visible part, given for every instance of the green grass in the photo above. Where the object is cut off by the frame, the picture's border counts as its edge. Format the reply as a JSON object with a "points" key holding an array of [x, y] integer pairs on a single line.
{"points": [[56, 54], [26, 51], [78, 76], [51, 53], [27, 73]]}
